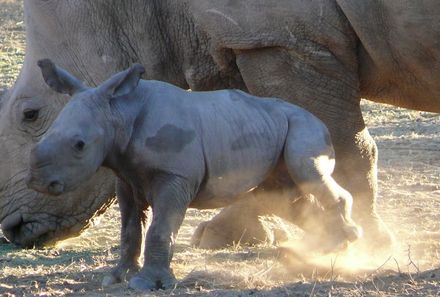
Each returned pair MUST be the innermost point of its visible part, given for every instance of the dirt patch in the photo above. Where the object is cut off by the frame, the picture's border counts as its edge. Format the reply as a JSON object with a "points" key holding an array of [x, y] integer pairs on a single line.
{"points": [[409, 202]]}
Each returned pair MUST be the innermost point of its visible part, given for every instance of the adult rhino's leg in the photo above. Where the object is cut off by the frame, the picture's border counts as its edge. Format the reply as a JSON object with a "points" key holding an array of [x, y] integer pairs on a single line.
{"points": [[328, 88], [221, 231], [133, 223], [240, 223]]}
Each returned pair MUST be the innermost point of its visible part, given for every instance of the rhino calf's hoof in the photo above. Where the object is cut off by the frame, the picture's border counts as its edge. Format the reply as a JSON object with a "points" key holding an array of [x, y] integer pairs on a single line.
{"points": [[140, 284], [119, 274], [109, 280], [349, 232], [152, 279], [353, 232]]}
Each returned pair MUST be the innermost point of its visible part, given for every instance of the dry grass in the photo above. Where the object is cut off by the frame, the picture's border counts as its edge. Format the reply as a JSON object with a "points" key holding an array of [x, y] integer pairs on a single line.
{"points": [[409, 143], [12, 41]]}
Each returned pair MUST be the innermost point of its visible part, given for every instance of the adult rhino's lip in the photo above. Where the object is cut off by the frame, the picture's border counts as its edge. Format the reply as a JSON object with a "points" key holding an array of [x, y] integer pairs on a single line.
{"points": [[14, 234], [11, 221], [10, 225], [13, 227]]}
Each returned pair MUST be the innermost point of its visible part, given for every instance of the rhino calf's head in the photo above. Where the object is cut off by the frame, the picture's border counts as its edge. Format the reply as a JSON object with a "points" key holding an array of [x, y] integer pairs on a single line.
{"points": [[77, 142]]}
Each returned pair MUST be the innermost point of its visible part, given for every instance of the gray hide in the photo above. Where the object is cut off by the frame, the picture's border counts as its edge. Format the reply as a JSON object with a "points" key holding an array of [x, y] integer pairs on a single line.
{"points": [[322, 55]]}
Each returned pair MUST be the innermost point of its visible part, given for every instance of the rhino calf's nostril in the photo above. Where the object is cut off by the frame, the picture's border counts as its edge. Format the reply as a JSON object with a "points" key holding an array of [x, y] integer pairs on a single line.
{"points": [[56, 187]]}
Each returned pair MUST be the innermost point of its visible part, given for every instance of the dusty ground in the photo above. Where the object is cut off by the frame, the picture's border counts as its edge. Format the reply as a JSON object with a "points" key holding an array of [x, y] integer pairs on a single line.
{"points": [[409, 163]]}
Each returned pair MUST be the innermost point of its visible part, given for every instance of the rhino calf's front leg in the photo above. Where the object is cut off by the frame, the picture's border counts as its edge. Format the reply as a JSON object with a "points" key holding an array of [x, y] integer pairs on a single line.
{"points": [[133, 217], [170, 197]]}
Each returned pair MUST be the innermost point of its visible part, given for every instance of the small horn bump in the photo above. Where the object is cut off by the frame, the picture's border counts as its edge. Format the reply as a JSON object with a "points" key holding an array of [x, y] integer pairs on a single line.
{"points": [[43, 63]]}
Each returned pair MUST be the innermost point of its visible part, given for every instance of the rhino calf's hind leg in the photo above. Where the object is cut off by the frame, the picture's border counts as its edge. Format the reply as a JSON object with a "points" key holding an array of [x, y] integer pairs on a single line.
{"points": [[309, 158], [330, 91], [133, 222]]}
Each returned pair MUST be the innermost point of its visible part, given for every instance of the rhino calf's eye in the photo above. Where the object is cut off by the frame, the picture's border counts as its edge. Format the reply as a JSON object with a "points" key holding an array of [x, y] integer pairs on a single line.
{"points": [[79, 145], [30, 115]]}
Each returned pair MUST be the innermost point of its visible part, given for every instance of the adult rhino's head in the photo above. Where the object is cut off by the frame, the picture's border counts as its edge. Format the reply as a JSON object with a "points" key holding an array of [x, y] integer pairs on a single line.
{"points": [[77, 142], [80, 38], [29, 218]]}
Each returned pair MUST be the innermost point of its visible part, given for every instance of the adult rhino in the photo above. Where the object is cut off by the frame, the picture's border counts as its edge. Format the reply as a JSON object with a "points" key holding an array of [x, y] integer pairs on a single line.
{"points": [[323, 55]]}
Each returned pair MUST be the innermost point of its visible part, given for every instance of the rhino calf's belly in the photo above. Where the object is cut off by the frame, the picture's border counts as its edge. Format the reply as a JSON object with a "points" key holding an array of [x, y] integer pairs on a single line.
{"points": [[220, 191]]}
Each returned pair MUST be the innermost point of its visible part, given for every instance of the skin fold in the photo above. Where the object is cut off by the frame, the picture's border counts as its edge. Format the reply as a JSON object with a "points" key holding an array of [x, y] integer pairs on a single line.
{"points": [[172, 149]]}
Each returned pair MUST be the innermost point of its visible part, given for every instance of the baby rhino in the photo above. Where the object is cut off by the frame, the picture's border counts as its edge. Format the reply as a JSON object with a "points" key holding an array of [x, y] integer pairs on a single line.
{"points": [[172, 149]]}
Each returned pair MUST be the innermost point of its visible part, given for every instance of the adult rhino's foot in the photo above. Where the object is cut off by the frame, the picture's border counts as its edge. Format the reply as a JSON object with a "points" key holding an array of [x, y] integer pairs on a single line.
{"points": [[378, 239], [152, 278], [197, 236], [119, 274]]}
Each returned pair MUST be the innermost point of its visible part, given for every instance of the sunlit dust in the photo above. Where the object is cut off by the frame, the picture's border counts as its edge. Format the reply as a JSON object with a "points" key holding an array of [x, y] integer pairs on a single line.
{"points": [[352, 262]]}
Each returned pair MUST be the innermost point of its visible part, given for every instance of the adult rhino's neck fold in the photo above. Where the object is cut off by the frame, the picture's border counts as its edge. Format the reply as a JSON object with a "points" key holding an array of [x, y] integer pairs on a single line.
{"points": [[148, 32]]}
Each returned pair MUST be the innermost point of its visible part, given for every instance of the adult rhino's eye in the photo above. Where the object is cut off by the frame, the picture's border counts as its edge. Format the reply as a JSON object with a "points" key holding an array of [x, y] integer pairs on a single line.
{"points": [[30, 115], [79, 145]]}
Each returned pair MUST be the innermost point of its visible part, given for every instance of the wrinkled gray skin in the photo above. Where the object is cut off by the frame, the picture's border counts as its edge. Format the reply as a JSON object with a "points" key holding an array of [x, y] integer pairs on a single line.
{"points": [[172, 149], [323, 55]]}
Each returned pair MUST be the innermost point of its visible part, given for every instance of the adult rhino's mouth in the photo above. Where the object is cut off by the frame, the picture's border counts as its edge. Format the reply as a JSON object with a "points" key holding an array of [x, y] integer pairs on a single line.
{"points": [[22, 221], [23, 233], [32, 219], [11, 224], [38, 229]]}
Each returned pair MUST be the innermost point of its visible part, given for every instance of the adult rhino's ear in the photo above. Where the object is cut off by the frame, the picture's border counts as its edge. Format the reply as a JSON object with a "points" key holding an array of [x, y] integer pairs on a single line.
{"points": [[59, 79], [122, 83]]}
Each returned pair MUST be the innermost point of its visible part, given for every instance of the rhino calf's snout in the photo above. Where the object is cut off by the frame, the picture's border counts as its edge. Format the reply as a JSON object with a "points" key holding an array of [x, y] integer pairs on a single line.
{"points": [[54, 187], [41, 155]]}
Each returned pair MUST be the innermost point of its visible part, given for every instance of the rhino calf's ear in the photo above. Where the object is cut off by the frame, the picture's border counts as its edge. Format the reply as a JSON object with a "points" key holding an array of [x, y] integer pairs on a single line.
{"points": [[122, 83], [59, 79]]}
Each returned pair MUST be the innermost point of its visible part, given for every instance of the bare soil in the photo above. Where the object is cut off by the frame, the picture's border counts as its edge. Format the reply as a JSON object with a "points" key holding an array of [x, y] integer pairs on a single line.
{"points": [[409, 202]]}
